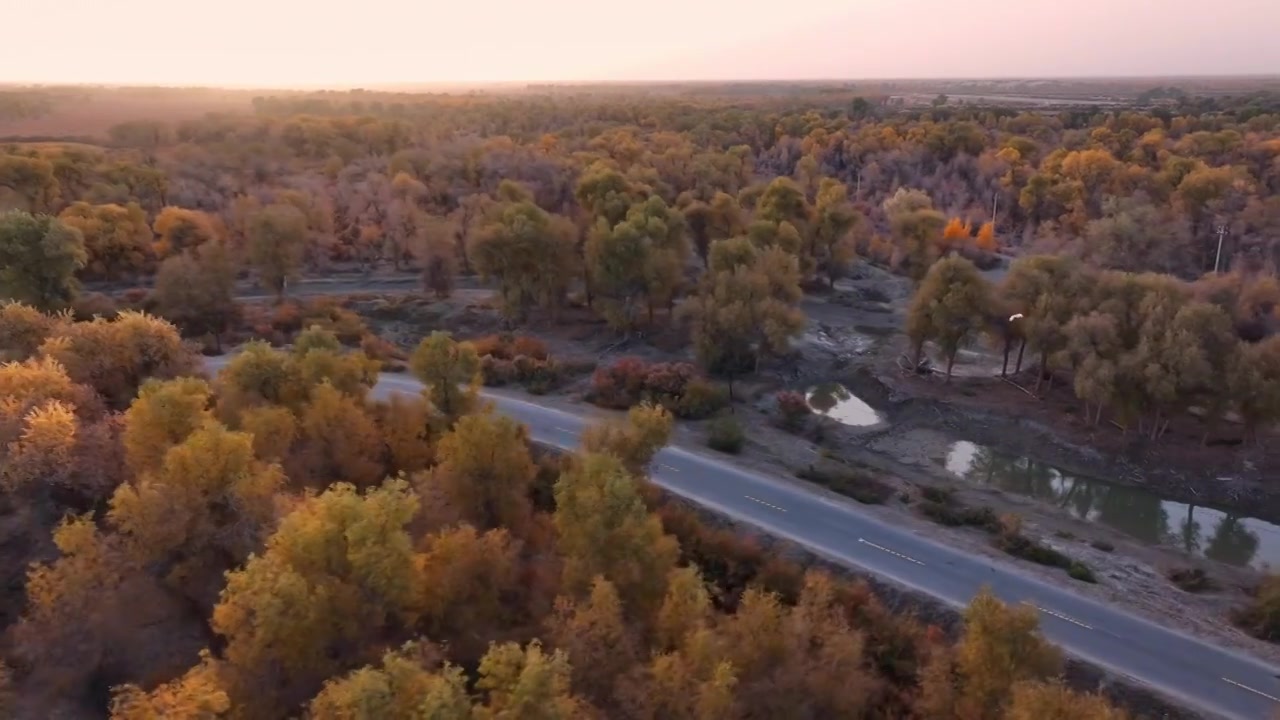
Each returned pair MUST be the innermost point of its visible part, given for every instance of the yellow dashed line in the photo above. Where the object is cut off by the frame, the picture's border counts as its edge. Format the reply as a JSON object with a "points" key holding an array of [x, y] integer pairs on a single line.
{"points": [[1060, 616], [1256, 692], [891, 552], [771, 505]]}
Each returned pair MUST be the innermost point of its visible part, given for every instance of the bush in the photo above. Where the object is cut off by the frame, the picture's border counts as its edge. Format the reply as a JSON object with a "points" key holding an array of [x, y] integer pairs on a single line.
{"points": [[701, 399], [944, 513], [1191, 580], [529, 347], [496, 372], [938, 495], [725, 435], [92, 304], [850, 483], [793, 409], [1080, 571], [1261, 617], [1021, 546], [491, 346], [676, 386], [1103, 545]]}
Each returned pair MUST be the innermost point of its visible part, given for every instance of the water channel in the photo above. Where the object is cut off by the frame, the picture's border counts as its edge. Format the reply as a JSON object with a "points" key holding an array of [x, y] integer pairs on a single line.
{"points": [[1230, 538]]}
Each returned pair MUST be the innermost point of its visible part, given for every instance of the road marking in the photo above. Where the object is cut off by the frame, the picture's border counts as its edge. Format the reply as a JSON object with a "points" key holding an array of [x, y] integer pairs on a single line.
{"points": [[667, 467], [1256, 692], [891, 552], [564, 430], [1060, 616], [775, 507]]}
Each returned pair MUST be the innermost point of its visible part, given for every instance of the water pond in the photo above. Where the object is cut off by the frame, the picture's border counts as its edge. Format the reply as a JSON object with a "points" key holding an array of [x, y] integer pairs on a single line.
{"points": [[1230, 538], [838, 403]]}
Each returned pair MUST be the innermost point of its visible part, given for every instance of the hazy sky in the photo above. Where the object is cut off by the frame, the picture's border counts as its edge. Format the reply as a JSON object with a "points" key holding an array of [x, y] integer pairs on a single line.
{"points": [[291, 42]]}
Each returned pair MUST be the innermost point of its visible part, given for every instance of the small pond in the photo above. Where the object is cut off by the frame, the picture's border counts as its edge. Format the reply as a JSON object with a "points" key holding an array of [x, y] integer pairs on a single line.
{"points": [[1230, 538], [836, 402]]}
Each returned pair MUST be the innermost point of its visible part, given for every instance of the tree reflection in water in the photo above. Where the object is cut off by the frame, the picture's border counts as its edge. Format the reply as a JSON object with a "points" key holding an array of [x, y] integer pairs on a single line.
{"points": [[1139, 514]]}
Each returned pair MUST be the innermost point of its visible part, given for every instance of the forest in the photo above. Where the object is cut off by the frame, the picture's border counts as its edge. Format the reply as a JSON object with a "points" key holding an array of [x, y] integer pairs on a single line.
{"points": [[709, 220], [448, 568], [302, 546]]}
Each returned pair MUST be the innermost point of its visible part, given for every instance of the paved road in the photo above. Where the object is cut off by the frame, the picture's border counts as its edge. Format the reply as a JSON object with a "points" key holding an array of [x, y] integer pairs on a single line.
{"points": [[1219, 682]]}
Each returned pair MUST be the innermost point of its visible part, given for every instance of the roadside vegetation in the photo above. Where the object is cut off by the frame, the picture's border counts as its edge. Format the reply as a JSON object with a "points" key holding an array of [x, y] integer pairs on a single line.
{"points": [[275, 541]]}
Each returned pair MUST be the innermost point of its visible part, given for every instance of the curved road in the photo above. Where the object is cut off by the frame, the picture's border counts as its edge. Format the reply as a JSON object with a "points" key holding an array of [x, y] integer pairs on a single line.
{"points": [[1216, 681]]}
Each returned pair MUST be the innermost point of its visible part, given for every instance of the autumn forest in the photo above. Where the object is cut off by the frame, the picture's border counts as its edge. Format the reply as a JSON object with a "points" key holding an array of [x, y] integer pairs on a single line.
{"points": [[274, 539]]}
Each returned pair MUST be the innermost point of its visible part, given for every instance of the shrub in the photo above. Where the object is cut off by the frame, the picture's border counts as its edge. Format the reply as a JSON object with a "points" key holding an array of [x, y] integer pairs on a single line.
{"points": [[936, 495], [1261, 617], [793, 409], [725, 435], [630, 381], [92, 304], [491, 346], [497, 372], [286, 318], [1103, 545], [1080, 571], [849, 482], [1191, 580], [701, 399], [944, 513], [529, 347]]}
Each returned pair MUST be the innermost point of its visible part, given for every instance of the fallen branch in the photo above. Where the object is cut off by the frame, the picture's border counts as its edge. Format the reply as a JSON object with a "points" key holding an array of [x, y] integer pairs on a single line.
{"points": [[1028, 392]]}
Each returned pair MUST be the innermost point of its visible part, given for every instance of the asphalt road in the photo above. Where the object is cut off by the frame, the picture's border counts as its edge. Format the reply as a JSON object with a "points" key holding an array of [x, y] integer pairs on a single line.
{"points": [[1215, 680]]}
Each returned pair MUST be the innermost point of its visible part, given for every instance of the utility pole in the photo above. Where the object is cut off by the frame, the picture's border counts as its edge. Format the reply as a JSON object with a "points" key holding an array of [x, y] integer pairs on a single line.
{"points": [[1221, 230], [995, 202]]}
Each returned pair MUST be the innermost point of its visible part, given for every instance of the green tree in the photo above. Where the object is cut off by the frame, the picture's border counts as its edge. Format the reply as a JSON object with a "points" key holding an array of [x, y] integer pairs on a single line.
{"points": [[117, 238], [39, 259], [531, 255], [527, 684], [277, 237], [451, 372], [605, 530], [835, 221], [917, 229], [949, 306], [196, 290]]}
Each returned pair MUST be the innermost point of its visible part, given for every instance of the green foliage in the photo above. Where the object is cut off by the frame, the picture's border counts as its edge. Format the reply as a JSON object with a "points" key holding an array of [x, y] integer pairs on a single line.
{"points": [[39, 258], [725, 435]]}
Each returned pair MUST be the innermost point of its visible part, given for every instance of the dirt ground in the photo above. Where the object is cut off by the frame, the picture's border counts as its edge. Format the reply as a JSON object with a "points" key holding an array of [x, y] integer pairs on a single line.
{"points": [[852, 339]]}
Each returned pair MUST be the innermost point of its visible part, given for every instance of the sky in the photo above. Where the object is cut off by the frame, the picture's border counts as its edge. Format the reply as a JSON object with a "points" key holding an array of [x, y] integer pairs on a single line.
{"points": [[286, 43]]}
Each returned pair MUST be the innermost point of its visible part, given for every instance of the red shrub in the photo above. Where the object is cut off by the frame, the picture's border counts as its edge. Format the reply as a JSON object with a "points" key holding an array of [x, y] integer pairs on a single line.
{"points": [[793, 407], [529, 346], [491, 346]]}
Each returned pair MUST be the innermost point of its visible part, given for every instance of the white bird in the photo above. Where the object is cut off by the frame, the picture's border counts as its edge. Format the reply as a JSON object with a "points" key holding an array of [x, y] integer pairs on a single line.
{"points": [[1015, 316]]}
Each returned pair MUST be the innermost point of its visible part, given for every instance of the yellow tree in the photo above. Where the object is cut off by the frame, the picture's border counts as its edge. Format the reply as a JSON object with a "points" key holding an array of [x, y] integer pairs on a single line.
{"points": [[986, 239], [410, 685], [338, 440], [163, 415], [596, 636], [1052, 701], [198, 693], [451, 372], [527, 684], [179, 229], [646, 431], [606, 531], [1001, 646], [956, 235], [465, 578], [201, 512], [117, 238], [486, 472], [22, 330], [337, 572], [115, 357]]}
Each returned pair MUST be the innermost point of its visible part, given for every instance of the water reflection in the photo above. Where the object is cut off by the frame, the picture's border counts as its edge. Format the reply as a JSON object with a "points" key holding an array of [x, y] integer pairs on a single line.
{"points": [[1228, 538], [836, 402]]}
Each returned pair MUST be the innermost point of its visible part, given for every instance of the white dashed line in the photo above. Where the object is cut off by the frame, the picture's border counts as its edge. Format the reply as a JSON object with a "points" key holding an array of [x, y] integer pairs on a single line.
{"points": [[564, 430], [1256, 692], [1060, 616], [668, 467], [770, 505], [891, 552]]}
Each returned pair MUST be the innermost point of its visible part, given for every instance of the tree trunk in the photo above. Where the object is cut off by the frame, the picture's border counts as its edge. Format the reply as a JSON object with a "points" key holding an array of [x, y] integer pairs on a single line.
{"points": [[1017, 368], [1008, 346], [1044, 366], [951, 360]]}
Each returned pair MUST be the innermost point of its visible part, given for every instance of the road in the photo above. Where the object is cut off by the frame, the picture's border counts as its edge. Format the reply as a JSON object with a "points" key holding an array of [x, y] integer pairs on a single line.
{"points": [[1217, 681]]}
